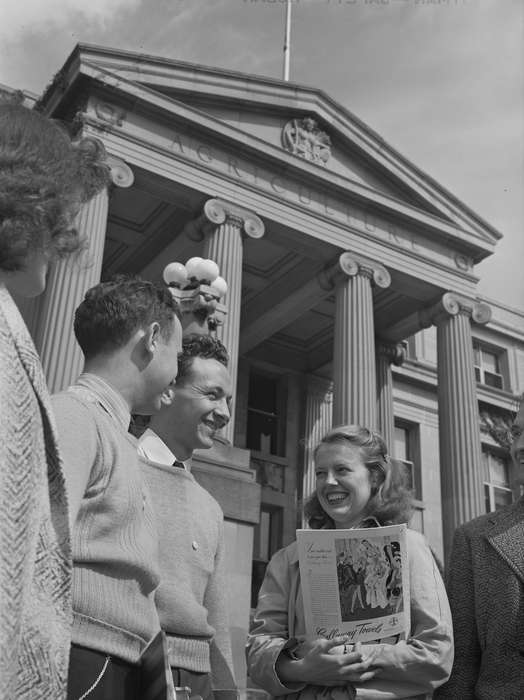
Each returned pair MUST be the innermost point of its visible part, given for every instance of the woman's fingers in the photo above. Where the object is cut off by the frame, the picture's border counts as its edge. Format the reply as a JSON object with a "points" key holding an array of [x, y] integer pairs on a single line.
{"points": [[363, 677], [328, 644]]}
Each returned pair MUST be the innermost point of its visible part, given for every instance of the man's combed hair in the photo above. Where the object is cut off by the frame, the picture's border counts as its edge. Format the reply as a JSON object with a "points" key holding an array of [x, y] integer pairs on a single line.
{"points": [[114, 310], [391, 502], [44, 180], [204, 346]]}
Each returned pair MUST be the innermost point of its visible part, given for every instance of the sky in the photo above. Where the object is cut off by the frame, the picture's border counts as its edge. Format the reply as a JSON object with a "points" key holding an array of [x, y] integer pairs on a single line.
{"points": [[442, 81]]}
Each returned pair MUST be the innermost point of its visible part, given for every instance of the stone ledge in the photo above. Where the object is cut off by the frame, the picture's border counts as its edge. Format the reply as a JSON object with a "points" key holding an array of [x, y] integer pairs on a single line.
{"points": [[224, 471]]}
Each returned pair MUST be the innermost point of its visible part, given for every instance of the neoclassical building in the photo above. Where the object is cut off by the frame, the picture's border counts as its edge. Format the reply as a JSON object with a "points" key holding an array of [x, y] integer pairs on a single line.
{"points": [[352, 289]]}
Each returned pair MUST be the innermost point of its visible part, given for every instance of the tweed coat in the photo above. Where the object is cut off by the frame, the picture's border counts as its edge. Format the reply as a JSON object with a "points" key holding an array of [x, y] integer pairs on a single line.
{"points": [[486, 593], [35, 559]]}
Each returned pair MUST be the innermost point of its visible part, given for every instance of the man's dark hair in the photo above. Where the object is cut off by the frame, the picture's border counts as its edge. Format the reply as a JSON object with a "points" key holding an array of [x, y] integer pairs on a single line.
{"points": [[44, 180], [112, 311], [205, 346]]}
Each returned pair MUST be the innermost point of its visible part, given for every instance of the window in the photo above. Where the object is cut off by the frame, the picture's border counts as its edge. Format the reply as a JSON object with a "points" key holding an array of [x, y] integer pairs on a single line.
{"points": [[265, 415], [497, 488], [406, 450], [488, 369], [267, 540]]}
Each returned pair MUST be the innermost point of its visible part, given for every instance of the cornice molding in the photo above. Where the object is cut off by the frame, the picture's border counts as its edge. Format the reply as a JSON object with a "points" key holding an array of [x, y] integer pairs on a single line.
{"points": [[291, 97], [467, 229]]}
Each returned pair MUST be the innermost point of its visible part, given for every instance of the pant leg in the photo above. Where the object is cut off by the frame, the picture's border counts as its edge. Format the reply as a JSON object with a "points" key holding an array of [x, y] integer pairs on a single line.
{"points": [[120, 680]]}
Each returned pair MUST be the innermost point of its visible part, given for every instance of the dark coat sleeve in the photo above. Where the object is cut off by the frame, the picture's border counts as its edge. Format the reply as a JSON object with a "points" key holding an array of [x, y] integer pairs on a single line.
{"points": [[461, 594]]}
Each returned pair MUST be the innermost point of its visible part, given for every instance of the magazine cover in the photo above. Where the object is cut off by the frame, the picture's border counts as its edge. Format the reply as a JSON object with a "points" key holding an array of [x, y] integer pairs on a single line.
{"points": [[355, 582]]}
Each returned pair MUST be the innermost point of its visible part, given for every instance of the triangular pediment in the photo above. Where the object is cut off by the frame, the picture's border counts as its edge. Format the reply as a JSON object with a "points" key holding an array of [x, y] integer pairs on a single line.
{"points": [[305, 136], [301, 126]]}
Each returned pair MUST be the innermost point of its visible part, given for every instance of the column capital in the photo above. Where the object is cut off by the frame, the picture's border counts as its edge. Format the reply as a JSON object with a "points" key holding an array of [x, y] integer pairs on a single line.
{"points": [[320, 387], [121, 173], [219, 211], [451, 304], [351, 265], [394, 353]]}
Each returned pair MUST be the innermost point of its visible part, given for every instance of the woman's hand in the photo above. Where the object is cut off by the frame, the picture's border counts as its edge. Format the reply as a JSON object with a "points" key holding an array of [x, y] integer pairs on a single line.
{"points": [[318, 666]]}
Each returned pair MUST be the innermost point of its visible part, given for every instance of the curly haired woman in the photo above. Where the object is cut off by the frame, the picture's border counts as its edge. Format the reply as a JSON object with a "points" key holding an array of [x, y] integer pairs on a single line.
{"points": [[357, 485], [44, 180]]}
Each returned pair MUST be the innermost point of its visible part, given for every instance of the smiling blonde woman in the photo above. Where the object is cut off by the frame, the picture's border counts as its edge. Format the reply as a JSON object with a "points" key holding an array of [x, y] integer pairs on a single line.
{"points": [[357, 485]]}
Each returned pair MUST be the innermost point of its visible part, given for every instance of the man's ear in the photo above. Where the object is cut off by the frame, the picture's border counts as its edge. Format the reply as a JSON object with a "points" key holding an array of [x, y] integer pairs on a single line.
{"points": [[168, 395], [152, 337]]}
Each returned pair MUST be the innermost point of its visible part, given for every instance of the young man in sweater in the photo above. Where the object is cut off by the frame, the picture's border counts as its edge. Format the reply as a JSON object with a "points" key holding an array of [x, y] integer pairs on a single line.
{"points": [[191, 598], [130, 336]]}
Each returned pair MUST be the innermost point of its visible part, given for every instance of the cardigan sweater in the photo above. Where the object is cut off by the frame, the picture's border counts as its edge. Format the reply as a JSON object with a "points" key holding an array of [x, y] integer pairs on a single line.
{"points": [[114, 537], [35, 557], [191, 598]]}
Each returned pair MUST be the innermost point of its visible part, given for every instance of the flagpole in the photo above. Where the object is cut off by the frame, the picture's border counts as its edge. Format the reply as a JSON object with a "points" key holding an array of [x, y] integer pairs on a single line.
{"points": [[287, 40]]}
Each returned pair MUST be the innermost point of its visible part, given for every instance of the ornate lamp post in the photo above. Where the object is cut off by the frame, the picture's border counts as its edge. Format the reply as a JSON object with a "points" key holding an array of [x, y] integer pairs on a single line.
{"points": [[197, 288]]}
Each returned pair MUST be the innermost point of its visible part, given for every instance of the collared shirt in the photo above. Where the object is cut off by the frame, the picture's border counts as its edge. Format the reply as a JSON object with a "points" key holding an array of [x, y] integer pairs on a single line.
{"points": [[108, 397], [153, 448]]}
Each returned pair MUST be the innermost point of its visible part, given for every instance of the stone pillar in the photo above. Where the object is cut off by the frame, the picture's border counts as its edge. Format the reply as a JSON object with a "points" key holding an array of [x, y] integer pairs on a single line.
{"points": [[387, 354], [354, 381], [223, 226], [459, 431], [319, 411], [67, 283]]}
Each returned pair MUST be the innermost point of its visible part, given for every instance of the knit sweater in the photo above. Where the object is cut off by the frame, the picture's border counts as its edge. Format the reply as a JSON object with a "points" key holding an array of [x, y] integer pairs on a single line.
{"points": [[114, 538], [191, 598], [35, 557]]}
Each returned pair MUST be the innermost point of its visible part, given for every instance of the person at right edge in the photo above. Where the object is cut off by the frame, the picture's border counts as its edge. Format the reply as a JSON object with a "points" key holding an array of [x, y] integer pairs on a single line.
{"points": [[357, 486], [486, 592]]}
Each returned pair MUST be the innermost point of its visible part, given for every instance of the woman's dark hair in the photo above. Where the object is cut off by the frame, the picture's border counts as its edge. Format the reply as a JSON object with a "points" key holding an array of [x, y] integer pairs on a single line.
{"points": [[391, 501], [44, 179]]}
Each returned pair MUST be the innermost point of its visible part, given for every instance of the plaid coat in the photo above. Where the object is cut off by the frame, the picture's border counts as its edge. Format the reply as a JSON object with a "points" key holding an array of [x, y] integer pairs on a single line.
{"points": [[486, 594], [35, 560]]}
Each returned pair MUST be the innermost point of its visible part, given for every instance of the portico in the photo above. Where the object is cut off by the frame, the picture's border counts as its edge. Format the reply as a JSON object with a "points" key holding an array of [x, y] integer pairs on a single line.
{"points": [[335, 249]]}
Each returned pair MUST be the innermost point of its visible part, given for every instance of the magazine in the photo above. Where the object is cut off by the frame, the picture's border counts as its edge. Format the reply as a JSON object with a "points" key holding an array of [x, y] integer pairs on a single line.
{"points": [[355, 583]]}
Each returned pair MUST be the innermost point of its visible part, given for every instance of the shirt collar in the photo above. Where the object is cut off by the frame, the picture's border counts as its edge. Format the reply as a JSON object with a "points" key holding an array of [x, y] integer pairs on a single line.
{"points": [[155, 449], [109, 398]]}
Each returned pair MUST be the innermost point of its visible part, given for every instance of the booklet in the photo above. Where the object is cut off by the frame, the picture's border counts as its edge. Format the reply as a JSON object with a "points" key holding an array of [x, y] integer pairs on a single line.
{"points": [[355, 583]]}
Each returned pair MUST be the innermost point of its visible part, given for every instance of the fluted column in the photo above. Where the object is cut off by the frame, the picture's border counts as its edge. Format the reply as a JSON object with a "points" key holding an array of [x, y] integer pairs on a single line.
{"points": [[459, 431], [223, 226], [319, 413], [68, 281], [354, 381], [387, 354]]}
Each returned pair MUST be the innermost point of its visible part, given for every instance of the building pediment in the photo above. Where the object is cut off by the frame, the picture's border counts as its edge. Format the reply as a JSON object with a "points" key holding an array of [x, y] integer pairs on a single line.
{"points": [[300, 129]]}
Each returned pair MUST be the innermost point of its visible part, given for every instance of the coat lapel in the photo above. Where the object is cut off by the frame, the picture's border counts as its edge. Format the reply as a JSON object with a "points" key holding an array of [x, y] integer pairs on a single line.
{"points": [[506, 535]]}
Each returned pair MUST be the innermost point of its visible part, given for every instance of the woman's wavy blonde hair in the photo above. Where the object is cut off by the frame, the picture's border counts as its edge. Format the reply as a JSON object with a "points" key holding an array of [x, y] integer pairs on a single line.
{"points": [[390, 502]]}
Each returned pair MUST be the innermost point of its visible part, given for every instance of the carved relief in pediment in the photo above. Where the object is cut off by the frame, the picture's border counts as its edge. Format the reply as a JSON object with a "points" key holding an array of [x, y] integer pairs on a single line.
{"points": [[303, 138]]}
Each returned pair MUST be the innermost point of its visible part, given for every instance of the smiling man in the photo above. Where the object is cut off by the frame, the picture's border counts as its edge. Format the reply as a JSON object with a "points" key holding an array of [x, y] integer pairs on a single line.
{"points": [[191, 598]]}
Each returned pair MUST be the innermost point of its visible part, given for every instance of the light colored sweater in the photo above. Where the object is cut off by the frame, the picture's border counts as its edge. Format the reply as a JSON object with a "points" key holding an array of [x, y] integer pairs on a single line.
{"points": [[114, 539], [35, 557], [191, 598]]}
